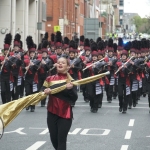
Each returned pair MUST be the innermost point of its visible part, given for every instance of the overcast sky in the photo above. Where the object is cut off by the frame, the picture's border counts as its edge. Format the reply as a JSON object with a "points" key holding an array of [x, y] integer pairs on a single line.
{"points": [[142, 7]]}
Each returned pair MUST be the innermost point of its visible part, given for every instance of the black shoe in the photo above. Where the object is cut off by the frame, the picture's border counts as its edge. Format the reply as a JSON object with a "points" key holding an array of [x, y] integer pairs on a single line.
{"points": [[94, 111], [27, 108], [144, 95], [99, 105], [32, 109], [124, 111], [42, 105], [134, 104], [109, 101], [120, 109], [114, 97], [130, 107], [86, 100]]}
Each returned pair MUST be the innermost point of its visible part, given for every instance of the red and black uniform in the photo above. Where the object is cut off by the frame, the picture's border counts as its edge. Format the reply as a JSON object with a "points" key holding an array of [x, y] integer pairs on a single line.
{"points": [[17, 74], [59, 108], [43, 73], [148, 71], [123, 86], [31, 76], [6, 80]]}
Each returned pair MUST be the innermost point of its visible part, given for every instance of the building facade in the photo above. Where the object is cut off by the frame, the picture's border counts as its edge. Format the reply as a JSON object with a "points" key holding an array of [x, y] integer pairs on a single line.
{"points": [[121, 12], [67, 14], [128, 24], [22, 16]]}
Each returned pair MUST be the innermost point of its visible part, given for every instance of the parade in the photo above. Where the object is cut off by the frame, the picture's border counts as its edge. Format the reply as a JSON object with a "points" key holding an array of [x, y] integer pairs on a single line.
{"points": [[74, 74], [24, 72]]}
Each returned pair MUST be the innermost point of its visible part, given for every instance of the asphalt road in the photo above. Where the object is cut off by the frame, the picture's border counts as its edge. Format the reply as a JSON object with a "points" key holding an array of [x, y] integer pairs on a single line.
{"points": [[106, 130]]}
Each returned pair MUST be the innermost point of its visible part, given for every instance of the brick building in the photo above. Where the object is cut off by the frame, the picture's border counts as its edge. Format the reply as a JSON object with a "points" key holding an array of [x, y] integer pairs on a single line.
{"points": [[68, 14]]}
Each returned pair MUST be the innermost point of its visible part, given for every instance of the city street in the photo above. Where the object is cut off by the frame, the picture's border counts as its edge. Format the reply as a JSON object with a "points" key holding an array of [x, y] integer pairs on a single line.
{"points": [[106, 130]]}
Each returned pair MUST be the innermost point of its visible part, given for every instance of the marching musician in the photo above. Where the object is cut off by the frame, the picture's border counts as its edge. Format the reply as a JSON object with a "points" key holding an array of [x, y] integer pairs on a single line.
{"points": [[87, 60], [75, 66], [17, 67], [81, 45], [6, 74], [123, 82], [31, 65], [52, 43], [45, 66], [115, 87], [58, 44], [109, 87], [66, 46], [134, 76]]}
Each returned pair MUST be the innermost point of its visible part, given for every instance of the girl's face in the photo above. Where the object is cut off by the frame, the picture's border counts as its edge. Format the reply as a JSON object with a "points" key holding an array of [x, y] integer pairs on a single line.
{"points": [[100, 57], [62, 65], [32, 54], [94, 58], [88, 53], [71, 54], [59, 51], [124, 57], [44, 54]]}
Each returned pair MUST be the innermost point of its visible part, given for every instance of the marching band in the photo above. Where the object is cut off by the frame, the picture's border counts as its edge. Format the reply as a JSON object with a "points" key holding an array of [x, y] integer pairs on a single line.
{"points": [[129, 66]]}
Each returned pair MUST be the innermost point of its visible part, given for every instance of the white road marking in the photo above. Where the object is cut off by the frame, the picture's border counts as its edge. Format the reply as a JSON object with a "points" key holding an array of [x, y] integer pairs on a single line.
{"points": [[105, 131], [128, 135], [36, 145], [131, 123], [124, 147], [45, 131], [111, 106], [19, 131], [115, 102], [106, 112], [74, 132]]}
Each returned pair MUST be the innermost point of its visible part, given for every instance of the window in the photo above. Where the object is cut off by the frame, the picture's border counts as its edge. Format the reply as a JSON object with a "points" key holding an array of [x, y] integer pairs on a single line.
{"points": [[121, 2], [43, 11], [121, 21], [121, 12]]}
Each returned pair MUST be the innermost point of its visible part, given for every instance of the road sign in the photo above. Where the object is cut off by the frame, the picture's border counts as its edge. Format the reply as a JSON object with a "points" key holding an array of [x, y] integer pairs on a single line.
{"points": [[56, 28]]}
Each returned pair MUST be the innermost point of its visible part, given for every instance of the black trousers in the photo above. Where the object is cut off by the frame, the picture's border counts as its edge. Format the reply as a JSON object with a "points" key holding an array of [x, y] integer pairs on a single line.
{"points": [[5, 91], [144, 85], [58, 128], [84, 90], [40, 84], [22, 88], [148, 93], [109, 91], [16, 89], [133, 98], [94, 101], [29, 90], [115, 90], [100, 98], [139, 92], [123, 98]]}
